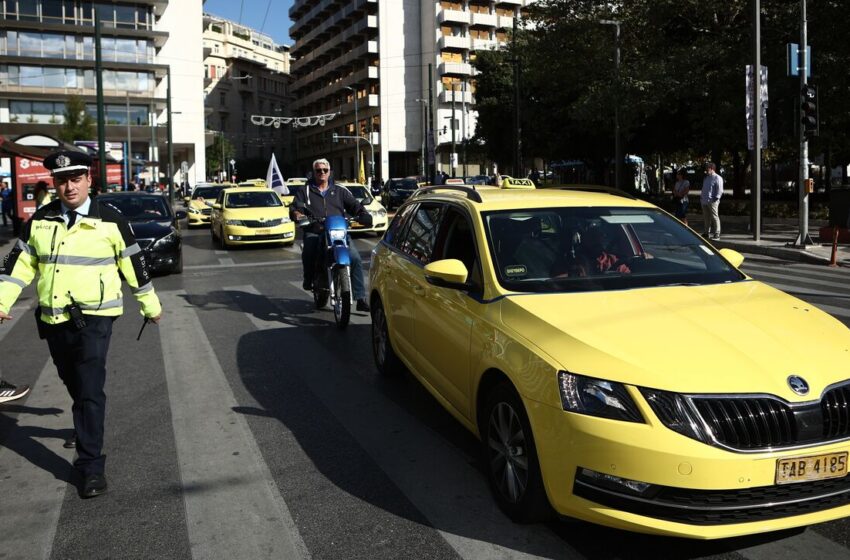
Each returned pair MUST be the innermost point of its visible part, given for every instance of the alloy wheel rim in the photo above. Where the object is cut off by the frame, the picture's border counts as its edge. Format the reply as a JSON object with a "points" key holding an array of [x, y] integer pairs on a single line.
{"points": [[507, 445]]}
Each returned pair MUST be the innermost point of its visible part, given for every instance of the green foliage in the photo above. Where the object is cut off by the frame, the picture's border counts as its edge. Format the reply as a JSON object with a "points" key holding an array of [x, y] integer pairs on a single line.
{"points": [[78, 125], [214, 161]]}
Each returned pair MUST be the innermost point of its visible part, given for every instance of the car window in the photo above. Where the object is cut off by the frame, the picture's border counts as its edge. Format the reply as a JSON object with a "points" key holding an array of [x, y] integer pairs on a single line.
{"points": [[252, 199], [394, 232], [421, 234], [456, 240], [139, 208], [580, 249], [407, 184], [206, 192]]}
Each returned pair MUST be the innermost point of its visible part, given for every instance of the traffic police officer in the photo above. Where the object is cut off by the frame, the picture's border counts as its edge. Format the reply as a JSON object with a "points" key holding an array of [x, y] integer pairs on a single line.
{"points": [[78, 247]]}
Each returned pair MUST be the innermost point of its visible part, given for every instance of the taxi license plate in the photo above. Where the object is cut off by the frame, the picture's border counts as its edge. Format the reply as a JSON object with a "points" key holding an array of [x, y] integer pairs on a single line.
{"points": [[263, 231], [815, 467]]}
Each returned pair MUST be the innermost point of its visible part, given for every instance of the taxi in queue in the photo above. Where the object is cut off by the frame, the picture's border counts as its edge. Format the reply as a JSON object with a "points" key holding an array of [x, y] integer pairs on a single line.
{"points": [[250, 215]]}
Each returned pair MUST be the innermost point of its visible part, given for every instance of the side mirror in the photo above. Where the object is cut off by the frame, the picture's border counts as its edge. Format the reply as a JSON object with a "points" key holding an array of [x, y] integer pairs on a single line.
{"points": [[186, 199], [734, 257], [216, 205], [447, 273], [180, 214]]}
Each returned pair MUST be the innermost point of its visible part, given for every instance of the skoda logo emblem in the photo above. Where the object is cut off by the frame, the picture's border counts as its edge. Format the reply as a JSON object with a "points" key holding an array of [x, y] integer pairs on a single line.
{"points": [[798, 384]]}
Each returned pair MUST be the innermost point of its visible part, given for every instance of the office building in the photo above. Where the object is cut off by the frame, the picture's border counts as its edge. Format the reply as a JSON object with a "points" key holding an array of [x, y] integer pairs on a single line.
{"points": [[47, 54]]}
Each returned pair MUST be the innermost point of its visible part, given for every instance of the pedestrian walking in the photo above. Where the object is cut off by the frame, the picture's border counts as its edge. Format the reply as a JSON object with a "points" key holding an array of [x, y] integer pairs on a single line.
{"points": [[80, 249], [9, 392], [712, 190], [6, 205], [680, 196]]}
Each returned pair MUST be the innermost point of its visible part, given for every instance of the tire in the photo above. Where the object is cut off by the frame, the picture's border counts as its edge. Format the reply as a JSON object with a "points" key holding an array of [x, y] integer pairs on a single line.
{"points": [[511, 457], [178, 266], [386, 361], [320, 298], [222, 242], [342, 297]]}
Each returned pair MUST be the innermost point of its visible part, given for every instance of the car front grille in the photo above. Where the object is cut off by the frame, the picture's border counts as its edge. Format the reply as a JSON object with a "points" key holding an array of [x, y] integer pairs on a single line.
{"points": [[754, 423], [723, 507], [206, 211], [274, 237], [262, 224]]}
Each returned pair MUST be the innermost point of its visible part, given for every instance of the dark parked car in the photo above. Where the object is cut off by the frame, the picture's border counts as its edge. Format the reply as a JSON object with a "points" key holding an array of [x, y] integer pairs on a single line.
{"points": [[397, 191], [155, 226]]}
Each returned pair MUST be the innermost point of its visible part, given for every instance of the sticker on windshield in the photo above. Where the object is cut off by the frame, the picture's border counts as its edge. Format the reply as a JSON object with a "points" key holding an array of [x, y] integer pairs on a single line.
{"points": [[628, 219], [516, 270], [706, 249]]}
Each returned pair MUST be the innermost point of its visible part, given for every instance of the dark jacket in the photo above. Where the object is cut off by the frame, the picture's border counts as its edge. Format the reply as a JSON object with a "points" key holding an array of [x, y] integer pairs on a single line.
{"points": [[337, 202]]}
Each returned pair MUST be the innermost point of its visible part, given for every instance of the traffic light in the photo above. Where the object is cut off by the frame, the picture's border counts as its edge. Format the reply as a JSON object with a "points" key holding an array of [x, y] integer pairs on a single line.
{"points": [[809, 105]]}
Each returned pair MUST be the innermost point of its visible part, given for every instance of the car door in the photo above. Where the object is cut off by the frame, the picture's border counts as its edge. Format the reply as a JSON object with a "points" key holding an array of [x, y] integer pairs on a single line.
{"points": [[406, 281], [445, 317], [215, 215]]}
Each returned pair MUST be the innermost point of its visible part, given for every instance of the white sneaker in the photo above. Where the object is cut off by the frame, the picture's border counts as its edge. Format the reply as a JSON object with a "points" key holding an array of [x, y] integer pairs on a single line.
{"points": [[9, 392]]}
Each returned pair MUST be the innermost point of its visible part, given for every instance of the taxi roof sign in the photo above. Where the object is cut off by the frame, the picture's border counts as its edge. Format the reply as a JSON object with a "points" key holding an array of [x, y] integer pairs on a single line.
{"points": [[511, 183]]}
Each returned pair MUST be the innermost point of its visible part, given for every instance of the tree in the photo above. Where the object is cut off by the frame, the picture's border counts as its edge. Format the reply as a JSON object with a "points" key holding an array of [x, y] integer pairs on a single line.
{"points": [[78, 125], [220, 145]]}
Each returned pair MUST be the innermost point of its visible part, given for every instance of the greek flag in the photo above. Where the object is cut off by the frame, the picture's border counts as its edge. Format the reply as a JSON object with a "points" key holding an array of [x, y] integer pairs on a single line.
{"points": [[274, 178]]}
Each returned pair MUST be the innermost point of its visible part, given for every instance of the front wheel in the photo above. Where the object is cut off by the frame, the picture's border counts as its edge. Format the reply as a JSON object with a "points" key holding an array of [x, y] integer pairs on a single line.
{"points": [[382, 348], [511, 457], [342, 296]]}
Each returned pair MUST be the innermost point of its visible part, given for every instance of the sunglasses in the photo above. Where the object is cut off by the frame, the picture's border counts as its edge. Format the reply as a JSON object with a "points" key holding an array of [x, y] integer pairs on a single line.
{"points": [[321, 170]]}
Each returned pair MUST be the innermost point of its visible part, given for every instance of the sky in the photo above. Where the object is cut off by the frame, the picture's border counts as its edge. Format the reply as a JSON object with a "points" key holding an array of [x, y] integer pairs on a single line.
{"points": [[253, 13]]}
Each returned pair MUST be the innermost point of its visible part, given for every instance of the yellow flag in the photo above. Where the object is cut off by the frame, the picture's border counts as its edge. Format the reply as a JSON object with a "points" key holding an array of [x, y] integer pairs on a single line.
{"points": [[361, 175]]}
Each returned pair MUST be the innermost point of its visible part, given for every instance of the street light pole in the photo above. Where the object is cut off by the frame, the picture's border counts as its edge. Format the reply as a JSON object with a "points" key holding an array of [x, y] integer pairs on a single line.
{"points": [[618, 147], [422, 163], [356, 131], [170, 143], [803, 238]]}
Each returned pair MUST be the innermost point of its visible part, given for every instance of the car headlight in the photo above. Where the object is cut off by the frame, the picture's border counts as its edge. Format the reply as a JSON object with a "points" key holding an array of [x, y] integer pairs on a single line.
{"points": [[285, 220], [234, 222], [597, 397], [676, 413], [381, 213], [193, 210], [162, 242]]}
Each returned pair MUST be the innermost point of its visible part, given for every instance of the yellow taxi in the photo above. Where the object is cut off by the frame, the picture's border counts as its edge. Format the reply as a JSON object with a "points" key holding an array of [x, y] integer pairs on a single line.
{"points": [[375, 208], [511, 183], [250, 215], [616, 367], [253, 183], [197, 209]]}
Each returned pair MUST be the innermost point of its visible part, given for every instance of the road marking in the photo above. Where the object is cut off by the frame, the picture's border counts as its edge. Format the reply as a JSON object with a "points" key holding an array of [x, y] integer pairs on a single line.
{"points": [[285, 264], [796, 291], [218, 252], [226, 261], [233, 508], [802, 280], [17, 312], [261, 324], [806, 545], [32, 459], [454, 497], [797, 270]]}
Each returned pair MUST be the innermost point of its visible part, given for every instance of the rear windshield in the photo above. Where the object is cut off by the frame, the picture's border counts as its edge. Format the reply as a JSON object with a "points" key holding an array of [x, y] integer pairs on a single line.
{"points": [[209, 193], [588, 249]]}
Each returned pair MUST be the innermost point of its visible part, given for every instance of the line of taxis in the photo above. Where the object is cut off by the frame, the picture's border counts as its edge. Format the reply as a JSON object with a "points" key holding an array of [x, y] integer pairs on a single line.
{"points": [[251, 213]]}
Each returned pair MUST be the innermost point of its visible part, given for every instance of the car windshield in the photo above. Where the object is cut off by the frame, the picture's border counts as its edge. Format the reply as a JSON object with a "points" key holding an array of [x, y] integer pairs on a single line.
{"points": [[254, 199], [406, 185], [139, 208], [590, 249], [360, 193], [207, 193]]}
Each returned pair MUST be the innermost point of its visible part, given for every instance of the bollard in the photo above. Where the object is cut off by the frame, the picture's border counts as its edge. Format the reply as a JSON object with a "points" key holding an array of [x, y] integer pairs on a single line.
{"points": [[833, 261]]}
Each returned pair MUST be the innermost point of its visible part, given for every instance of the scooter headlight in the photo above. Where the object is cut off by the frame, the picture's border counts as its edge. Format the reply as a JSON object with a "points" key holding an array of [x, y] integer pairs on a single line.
{"points": [[337, 234]]}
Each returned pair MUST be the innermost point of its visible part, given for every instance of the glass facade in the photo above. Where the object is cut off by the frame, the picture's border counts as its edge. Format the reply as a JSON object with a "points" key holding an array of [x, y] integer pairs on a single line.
{"points": [[78, 12], [117, 114], [42, 77], [74, 47]]}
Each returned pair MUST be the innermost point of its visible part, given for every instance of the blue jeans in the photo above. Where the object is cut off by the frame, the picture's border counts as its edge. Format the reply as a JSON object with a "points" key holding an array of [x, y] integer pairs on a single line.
{"points": [[312, 244]]}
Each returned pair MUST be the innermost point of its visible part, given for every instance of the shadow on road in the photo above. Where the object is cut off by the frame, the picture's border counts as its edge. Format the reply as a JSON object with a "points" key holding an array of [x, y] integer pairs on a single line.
{"points": [[24, 440]]}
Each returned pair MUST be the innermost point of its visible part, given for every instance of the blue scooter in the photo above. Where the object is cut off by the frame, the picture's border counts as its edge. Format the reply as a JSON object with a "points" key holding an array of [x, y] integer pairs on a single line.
{"points": [[332, 278]]}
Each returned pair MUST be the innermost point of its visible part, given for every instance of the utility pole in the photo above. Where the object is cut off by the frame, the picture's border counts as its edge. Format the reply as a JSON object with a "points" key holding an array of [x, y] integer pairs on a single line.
{"points": [[356, 131], [803, 238], [453, 156], [129, 144], [431, 139], [757, 111], [422, 163], [463, 126], [517, 116], [101, 117], [170, 142]]}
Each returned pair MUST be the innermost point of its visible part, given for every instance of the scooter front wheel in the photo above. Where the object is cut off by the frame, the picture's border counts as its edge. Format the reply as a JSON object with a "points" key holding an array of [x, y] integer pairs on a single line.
{"points": [[342, 296], [320, 297]]}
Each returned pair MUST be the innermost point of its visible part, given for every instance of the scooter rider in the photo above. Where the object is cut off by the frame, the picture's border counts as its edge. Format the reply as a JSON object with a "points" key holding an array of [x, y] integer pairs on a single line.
{"points": [[321, 198]]}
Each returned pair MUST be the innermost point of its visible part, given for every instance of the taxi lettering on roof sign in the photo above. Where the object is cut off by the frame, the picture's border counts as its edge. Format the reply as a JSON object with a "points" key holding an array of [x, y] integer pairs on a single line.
{"points": [[511, 183]]}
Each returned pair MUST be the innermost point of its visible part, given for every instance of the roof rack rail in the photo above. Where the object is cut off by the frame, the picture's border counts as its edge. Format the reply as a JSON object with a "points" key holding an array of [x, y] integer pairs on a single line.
{"points": [[470, 192], [597, 189]]}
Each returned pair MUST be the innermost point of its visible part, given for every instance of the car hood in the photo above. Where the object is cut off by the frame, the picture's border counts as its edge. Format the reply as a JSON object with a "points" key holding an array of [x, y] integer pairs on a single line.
{"points": [[267, 213], [151, 230], [200, 203], [744, 337]]}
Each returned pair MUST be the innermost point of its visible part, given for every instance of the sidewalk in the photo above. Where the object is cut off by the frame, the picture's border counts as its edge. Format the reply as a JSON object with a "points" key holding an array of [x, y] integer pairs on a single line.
{"points": [[776, 234]]}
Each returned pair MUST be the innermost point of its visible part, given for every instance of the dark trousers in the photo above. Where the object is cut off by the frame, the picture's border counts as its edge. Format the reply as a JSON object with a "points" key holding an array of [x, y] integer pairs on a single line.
{"points": [[313, 243], [7, 214], [80, 357]]}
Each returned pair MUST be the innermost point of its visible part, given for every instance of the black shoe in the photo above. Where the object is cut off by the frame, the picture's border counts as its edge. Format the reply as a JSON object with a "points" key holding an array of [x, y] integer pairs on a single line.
{"points": [[71, 442], [93, 485], [363, 305], [9, 392], [307, 285]]}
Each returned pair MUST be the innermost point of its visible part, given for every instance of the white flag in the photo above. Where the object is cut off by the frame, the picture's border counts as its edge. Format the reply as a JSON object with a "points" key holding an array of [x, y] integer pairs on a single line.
{"points": [[274, 178]]}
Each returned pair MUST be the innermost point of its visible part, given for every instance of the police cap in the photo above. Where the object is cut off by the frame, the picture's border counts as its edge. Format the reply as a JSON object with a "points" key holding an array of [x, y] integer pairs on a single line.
{"points": [[67, 163]]}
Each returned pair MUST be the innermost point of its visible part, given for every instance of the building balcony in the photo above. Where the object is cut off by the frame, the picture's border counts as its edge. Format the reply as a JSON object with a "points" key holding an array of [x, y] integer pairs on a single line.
{"points": [[336, 16], [484, 44], [364, 50], [459, 97], [451, 42], [511, 2], [484, 20], [370, 73], [455, 69], [453, 16], [506, 22], [334, 42]]}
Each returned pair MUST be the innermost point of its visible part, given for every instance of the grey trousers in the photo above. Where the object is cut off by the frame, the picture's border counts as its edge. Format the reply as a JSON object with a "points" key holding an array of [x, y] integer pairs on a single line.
{"points": [[711, 217]]}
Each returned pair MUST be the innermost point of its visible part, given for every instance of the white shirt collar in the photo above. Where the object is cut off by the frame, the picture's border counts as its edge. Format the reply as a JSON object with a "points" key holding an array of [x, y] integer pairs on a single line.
{"points": [[82, 209]]}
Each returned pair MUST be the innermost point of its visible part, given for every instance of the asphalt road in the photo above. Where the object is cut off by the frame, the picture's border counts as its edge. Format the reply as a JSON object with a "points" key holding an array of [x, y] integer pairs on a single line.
{"points": [[248, 426]]}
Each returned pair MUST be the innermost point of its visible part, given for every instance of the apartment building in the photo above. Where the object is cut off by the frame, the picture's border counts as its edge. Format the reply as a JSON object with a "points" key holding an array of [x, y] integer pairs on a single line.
{"points": [[246, 74], [47, 53], [368, 61]]}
